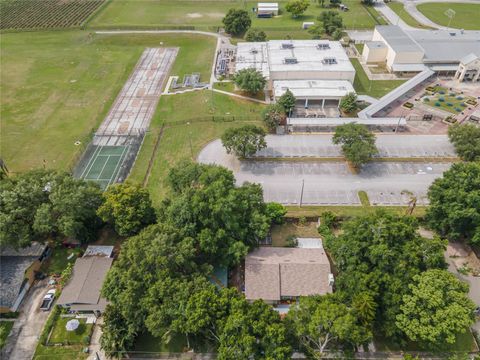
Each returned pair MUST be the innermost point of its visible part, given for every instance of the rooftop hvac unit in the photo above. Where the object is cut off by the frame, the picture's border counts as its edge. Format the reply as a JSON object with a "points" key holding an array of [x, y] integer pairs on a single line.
{"points": [[253, 51], [329, 61], [287, 46], [323, 46], [291, 60], [331, 280]]}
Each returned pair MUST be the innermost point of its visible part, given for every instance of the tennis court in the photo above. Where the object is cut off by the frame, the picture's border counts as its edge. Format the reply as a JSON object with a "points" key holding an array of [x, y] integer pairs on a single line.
{"points": [[105, 164]]}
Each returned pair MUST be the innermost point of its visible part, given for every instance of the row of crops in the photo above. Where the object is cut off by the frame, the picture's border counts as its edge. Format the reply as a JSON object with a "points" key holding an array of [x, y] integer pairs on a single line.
{"points": [[44, 14]]}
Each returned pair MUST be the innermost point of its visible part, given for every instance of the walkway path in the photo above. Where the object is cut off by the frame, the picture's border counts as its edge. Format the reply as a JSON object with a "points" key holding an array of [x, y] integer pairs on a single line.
{"points": [[391, 16], [240, 96]]}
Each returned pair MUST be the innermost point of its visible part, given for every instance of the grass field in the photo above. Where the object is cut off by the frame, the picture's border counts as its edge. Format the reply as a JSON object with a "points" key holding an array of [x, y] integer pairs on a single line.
{"points": [[76, 337], [57, 87], [399, 9], [467, 15], [181, 140], [72, 352], [207, 15], [5, 328], [375, 88]]}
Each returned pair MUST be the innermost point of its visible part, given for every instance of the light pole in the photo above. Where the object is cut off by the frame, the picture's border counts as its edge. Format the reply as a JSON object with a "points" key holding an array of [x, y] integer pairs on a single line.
{"points": [[190, 139]]}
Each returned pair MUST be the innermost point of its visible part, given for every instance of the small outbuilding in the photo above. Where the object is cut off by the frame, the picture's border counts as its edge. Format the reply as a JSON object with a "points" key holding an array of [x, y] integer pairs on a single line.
{"points": [[267, 10]]}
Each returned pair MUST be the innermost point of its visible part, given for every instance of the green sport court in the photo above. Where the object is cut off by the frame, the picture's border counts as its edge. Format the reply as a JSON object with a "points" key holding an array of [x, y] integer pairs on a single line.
{"points": [[105, 164]]}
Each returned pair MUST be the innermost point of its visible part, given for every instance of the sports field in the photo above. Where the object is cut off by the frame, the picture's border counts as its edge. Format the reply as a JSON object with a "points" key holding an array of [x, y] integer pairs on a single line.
{"points": [[467, 16], [57, 87], [207, 15]]}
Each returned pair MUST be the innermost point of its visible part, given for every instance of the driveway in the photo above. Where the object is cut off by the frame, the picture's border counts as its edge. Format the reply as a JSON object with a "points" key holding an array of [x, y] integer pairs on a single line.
{"points": [[23, 339], [316, 182]]}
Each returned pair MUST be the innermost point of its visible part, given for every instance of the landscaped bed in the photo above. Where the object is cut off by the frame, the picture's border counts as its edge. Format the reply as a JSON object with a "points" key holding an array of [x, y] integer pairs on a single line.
{"points": [[444, 99]]}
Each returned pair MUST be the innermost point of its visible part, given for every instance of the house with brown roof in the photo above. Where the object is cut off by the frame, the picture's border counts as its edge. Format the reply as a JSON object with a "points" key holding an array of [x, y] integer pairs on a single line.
{"points": [[82, 293], [274, 274]]}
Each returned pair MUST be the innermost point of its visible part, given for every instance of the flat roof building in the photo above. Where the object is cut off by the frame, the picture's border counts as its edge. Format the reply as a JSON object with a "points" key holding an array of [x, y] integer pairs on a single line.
{"points": [[267, 9]]}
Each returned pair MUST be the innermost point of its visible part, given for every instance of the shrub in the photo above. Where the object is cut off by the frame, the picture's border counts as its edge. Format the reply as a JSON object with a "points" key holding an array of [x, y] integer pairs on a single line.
{"points": [[458, 109], [329, 219], [463, 105], [291, 241], [441, 92], [449, 104], [10, 315], [441, 99], [302, 220], [459, 97], [276, 212], [426, 99], [437, 104], [49, 325]]}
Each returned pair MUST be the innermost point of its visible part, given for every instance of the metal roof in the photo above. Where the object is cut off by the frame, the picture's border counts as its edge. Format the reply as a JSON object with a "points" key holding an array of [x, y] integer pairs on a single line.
{"points": [[389, 121], [397, 38], [12, 275]]}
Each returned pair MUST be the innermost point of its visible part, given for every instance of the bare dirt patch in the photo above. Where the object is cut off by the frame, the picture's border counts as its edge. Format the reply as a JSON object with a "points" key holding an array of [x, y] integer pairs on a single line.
{"points": [[194, 15]]}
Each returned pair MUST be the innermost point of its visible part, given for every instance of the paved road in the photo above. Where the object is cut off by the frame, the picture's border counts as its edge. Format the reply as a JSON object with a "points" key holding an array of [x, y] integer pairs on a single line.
{"points": [[321, 146], [330, 183], [23, 339]]}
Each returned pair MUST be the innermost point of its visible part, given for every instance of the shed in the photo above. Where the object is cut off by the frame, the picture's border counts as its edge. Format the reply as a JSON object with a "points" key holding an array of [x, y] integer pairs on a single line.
{"points": [[267, 9]]}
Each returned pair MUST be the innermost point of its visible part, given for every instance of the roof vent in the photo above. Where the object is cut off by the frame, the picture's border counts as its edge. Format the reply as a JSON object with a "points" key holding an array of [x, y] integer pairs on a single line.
{"points": [[329, 61], [253, 51], [291, 60], [323, 46], [287, 46]]}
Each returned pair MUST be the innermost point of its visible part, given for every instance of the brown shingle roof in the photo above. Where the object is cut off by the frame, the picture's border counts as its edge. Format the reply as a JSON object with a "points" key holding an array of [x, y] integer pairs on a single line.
{"points": [[271, 273]]}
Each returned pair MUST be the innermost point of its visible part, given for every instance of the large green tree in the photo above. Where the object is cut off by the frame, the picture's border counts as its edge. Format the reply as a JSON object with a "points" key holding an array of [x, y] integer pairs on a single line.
{"points": [[358, 143], [466, 139], [236, 21], [255, 35], [297, 7], [436, 309], [273, 116], [250, 80], [454, 209], [378, 254], [287, 101], [324, 323], [331, 21], [128, 208], [349, 103], [42, 203], [244, 141]]}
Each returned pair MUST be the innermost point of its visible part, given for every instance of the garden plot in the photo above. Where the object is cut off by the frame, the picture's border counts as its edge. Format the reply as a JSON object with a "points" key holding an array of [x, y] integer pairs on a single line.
{"points": [[447, 100]]}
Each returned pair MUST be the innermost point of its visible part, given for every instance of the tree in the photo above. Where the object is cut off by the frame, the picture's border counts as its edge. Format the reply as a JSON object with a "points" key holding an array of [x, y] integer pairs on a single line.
{"points": [[368, 2], [236, 21], [466, 139], [323, 323], [273, 116], [378, 254], [358, 144], [276, 212], [436, 309], [331, 21], [287, 101], [250, 80], [40, 203], [116, 337], [349, 103], [316, 31], [244, 141], [255, 35], [454, 209], [297, 7], [128, 208]]}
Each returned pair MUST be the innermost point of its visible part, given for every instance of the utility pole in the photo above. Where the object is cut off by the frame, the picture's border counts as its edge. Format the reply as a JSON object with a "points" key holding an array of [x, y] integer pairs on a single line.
{"points": [[301, 194], [190, 139]]}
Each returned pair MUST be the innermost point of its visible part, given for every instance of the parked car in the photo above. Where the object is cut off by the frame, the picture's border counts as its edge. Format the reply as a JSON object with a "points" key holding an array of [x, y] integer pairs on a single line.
{"points": [[48, 300]]}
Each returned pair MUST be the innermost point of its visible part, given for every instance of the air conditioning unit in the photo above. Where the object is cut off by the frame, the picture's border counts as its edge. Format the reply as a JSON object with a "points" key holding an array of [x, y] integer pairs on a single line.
{"points": [[331, 280]]}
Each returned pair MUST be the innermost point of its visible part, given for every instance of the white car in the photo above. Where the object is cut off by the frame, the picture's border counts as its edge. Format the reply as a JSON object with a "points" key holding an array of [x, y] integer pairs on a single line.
{"points": [[48, 300]]}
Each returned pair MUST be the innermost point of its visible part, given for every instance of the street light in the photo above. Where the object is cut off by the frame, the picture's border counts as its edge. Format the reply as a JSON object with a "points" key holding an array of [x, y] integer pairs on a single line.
{"points": [[190, 139]]}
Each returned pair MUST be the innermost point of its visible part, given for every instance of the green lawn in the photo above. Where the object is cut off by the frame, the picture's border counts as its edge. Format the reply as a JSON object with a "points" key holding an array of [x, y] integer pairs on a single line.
{"points": [[375, 88], [72, 352], [178, 135], [57, 87], [467, 15], [350, 211], [5, 328], [280, 233], [76, 337], [58, 261], [207, 15], [399, 9]]}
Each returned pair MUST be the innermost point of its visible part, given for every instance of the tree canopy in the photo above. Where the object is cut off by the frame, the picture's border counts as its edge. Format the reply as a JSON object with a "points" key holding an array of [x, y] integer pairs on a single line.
{"points": [[349, 103], [358, 143], [331, 21], [244, 141], [41, 203], [287, 101], [236, 21], [466, 139], [454, 209], [436, 309], [273, 115], [377, 255], [255, 35], [127, 207], [322, 323], [250, 80], [297, 7]]}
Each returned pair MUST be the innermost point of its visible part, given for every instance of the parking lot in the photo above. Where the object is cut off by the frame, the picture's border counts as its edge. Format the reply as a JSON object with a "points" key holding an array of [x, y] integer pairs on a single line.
{"points": [[331, 182], [400, 146]]}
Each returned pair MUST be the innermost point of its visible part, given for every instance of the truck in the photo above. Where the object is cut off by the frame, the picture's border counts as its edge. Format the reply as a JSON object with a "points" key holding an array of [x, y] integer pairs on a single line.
{"points": [[48, 300]]}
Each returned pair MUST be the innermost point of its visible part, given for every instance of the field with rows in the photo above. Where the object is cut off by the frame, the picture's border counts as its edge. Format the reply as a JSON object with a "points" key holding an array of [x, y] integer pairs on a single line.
{"points": [[45, 14]]}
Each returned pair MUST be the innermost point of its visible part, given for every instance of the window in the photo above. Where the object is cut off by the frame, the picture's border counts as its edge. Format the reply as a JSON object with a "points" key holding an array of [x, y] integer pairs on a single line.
{"points": [[329, 61]]}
